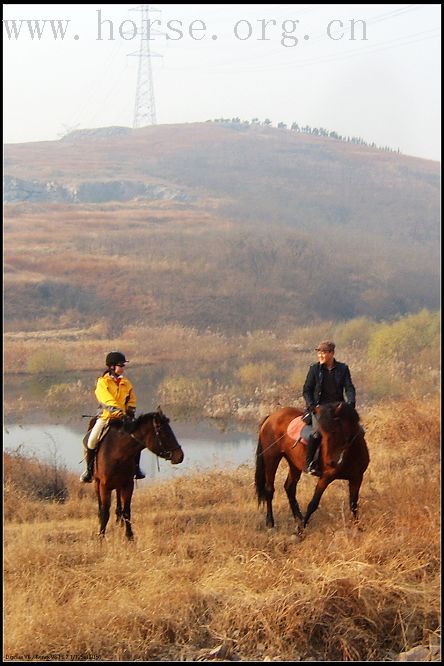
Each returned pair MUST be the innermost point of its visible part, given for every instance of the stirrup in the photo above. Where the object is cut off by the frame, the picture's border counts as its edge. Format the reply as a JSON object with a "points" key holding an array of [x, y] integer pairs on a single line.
{"points": [[139, 474], [311, 468]]}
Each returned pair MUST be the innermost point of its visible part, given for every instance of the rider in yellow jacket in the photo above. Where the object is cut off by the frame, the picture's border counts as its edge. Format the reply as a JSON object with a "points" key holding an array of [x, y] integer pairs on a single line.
{"points": [[117, 399], [115, 396]]}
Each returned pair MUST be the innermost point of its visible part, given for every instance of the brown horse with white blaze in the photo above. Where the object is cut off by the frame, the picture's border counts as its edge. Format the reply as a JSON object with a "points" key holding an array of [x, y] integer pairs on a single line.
{"points": [[343, 455], [115, 465]]}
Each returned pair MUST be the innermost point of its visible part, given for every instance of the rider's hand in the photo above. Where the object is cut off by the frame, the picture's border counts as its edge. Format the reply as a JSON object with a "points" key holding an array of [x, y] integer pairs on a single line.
{"points": [[131, 412]]}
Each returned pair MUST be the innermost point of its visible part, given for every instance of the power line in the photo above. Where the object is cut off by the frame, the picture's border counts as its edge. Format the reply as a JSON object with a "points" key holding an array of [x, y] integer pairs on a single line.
{"points": [[366, 49]]}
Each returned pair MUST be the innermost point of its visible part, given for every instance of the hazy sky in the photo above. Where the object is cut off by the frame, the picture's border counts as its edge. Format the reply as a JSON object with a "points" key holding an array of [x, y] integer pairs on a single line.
{"points": [[283, 62]]}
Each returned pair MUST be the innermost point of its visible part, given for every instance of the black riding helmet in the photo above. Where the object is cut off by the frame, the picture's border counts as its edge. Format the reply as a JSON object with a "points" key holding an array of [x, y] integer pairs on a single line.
{"points": [[115, 358]]}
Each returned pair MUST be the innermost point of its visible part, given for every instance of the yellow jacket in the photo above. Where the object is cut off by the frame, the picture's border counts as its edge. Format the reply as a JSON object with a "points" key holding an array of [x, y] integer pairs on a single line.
{"points": [[114, 396]]}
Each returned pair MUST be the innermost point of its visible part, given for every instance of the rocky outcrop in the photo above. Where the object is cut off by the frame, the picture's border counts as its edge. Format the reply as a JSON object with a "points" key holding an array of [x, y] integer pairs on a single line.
{"points": [[96, 133], [18, 189]]}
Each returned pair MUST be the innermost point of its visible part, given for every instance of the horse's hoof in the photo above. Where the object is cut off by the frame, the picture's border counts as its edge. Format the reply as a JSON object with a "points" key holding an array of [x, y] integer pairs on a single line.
{"points": [[357, 528], [297, 536]]}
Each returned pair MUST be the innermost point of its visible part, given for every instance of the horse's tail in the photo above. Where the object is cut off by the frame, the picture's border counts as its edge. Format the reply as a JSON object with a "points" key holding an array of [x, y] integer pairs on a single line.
{"points": [[259, 477]]}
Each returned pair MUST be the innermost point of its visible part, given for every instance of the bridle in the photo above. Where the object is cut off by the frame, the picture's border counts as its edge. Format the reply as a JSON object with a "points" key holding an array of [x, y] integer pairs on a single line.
{"points": [[348, 444], [162, 452]]}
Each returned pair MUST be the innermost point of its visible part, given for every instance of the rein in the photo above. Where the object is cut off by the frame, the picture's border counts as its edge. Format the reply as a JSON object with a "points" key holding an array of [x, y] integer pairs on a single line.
{"points": [[348, 445], [270, 445], [139, 442], [163, 453]]}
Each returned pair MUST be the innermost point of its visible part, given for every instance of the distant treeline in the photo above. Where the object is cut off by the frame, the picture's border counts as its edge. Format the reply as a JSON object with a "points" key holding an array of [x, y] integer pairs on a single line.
{"points": [[306, 129]]}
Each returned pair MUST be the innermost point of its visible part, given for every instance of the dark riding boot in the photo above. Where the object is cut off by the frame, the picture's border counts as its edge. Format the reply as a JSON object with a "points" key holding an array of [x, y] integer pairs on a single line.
{"points": [[87, 476], [313, 443], [139, 474]]}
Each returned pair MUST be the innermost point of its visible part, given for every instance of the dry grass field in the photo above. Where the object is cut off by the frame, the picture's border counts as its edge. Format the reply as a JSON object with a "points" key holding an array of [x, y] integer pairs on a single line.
{"points": [[206, 580]]}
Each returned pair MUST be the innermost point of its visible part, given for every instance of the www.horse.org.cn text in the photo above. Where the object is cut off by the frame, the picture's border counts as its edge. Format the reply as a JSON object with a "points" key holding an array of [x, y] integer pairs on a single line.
{"points": [[288, 32]]}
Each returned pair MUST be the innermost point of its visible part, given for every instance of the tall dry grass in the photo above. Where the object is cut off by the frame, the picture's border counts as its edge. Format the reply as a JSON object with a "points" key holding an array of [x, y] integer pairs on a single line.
{"points": [[204, 570]]}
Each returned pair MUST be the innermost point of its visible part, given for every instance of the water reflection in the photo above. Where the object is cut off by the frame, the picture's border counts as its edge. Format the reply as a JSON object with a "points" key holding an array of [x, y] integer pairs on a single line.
{"points": [[204, 447]]}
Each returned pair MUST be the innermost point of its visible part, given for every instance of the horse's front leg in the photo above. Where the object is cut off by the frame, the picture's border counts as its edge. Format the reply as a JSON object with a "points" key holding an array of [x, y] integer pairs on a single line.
{"points": [[319, 491], [105, 504], [119, 518], [354, 486], [290, 486], [127, 493]]}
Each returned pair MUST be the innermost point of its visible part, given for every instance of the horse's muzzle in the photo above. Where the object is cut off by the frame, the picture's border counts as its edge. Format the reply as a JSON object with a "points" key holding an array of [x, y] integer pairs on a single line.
{"points": [[176, 456]]}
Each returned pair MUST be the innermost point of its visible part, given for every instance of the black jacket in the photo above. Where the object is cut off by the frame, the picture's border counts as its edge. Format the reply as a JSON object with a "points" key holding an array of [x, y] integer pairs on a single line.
{"points": [[312, 390]]}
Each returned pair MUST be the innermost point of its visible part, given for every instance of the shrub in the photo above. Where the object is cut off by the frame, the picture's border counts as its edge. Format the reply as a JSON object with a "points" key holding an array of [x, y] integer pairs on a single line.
{"points": [[66, 396], [183, 391], [34, 479], [257, 374], [354, 333], [406, 337], [46, 361]]}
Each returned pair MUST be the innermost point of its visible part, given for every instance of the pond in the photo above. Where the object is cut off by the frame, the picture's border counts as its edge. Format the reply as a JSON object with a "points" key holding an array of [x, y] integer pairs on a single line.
{"points": [[204, 446]]}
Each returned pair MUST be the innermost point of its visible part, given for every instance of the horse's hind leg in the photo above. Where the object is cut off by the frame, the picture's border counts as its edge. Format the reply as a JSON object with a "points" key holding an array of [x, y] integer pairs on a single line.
{"points": [[290, 486], [127, 493], [270, 474]]}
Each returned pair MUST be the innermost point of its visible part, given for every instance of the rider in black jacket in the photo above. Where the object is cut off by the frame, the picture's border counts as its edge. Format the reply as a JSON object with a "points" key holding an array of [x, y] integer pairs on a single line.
{"points": [[326, 381]]}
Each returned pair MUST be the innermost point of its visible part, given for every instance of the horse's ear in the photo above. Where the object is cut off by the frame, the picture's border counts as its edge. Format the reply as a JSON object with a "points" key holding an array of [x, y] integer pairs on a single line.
{"points": [[159, 409]]}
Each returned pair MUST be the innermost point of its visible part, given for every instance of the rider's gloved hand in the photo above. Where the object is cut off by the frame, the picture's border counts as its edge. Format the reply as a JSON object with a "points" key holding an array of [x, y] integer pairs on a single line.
{"points": [[307, 418]]}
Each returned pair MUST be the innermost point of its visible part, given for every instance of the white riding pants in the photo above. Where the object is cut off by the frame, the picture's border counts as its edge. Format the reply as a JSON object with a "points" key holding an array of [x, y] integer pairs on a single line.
{"points": [[97, 432]]}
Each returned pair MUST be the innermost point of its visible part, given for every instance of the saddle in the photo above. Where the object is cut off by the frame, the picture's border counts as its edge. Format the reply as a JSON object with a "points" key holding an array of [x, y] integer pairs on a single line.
{"points": [[299, 431], [112, 423], [88, 432]]}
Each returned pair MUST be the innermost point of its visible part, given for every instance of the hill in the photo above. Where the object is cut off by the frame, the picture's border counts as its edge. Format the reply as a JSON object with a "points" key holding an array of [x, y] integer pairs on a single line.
{"points": [[222, 226]]}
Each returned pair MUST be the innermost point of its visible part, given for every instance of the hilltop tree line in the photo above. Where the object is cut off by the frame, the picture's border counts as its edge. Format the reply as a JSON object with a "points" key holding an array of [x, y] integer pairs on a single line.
{"points": [[306, 129]]}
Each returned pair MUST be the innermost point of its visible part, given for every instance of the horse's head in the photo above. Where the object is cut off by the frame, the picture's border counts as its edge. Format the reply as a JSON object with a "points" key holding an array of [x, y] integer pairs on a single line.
{"points": [[339, 425], [155, 431]]}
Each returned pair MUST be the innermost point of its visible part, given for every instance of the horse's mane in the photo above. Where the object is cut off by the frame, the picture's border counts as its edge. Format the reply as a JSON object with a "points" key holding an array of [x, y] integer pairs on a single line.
{"points": [[263, 421], [139, 421], [327, 415], [150, 416]]}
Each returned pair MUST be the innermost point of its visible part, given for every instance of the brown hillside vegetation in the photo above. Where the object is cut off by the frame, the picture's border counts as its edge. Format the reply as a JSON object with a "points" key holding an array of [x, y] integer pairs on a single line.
{"points": [[204, 572], [271, 228]]}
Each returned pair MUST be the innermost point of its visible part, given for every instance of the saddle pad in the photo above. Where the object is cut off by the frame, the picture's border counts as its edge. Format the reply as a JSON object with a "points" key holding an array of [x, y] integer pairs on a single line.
{"points": [[295, 428]]}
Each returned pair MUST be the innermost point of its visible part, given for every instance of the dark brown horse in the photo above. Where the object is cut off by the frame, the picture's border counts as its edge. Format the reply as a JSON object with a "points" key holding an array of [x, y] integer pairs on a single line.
{"points": [[115, 465], [343, 455]]}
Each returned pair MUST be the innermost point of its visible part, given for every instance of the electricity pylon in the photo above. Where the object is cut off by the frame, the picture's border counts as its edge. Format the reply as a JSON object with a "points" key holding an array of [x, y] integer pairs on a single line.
{"points": [[145, 106]]}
